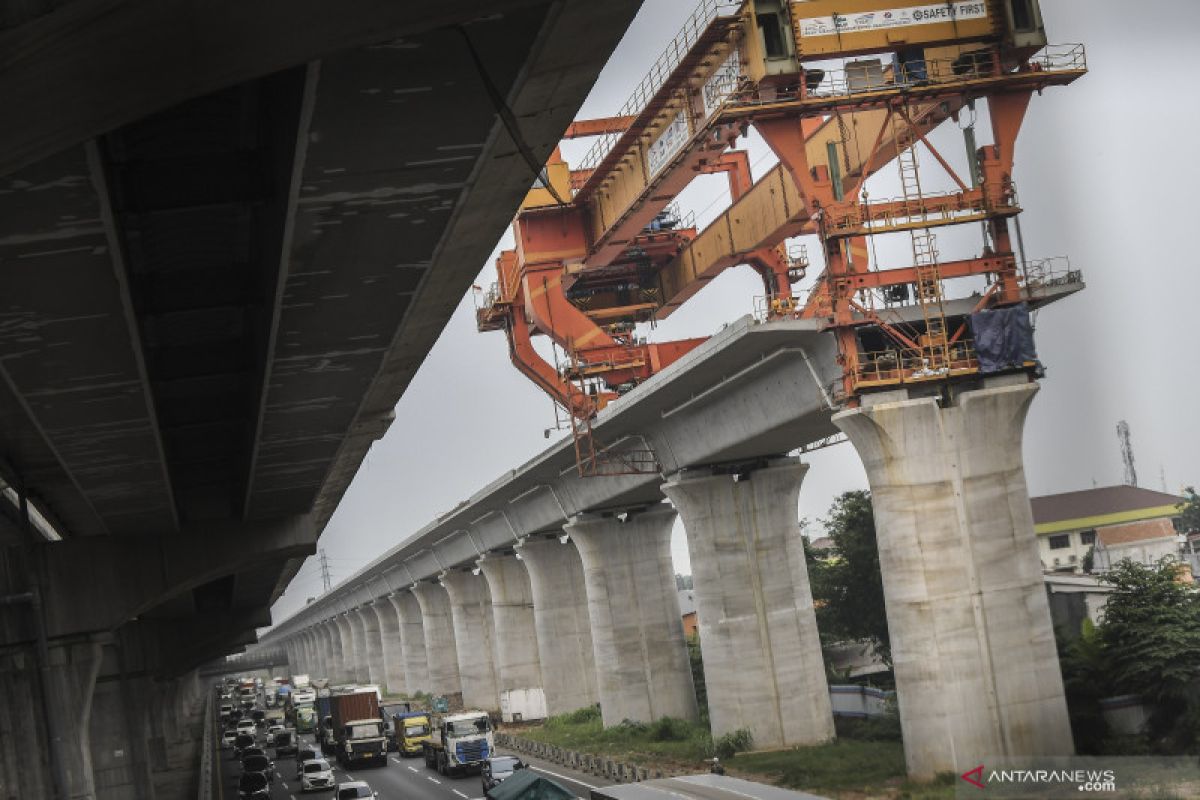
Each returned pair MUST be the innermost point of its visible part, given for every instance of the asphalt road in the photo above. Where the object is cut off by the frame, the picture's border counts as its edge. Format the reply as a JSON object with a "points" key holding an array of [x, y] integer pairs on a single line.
{"points": [[401, 779]]}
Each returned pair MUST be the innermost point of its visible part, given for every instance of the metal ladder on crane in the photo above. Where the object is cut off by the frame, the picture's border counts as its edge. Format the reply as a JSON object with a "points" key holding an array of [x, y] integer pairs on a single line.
{"points": [[935, 345]]}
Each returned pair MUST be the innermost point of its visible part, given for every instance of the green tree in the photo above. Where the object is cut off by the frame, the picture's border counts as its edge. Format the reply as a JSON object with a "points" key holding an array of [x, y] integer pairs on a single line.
{"points": [[1151, 640], [1189, 511], [848, 586]]}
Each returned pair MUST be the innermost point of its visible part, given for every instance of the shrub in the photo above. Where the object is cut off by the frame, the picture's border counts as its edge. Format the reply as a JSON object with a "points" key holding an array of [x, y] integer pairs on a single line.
{"points": [[730, 744], [669, 729], [581, 715]]}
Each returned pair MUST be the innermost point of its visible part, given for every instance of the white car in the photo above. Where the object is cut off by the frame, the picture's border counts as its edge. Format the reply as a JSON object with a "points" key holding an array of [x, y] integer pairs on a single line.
{"points": [[246, 726], [271, 731], [227, 739], [316, 775]]}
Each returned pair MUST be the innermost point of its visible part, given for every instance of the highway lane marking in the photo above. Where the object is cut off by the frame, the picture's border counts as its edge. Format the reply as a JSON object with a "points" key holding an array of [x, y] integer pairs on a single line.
{"points": [[435, 780], [398, 761], [564, 777], [412, 769], [457, 792]]}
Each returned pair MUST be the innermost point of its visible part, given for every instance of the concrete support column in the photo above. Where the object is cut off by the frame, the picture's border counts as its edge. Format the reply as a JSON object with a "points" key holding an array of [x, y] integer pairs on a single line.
{"points": [[412, 641], [372, 644], [441, 651], [642, 667], [343, 648], [976, 668], [69, 679], [762, 656], [518, 666], [292, 648], [474, 637], [311, 667], [560, 615], [389, 645], [320, 645], [359, 671]]}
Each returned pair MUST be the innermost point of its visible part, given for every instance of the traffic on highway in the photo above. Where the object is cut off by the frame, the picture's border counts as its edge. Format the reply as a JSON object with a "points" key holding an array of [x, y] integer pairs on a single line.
{"points": [[290, 738]]}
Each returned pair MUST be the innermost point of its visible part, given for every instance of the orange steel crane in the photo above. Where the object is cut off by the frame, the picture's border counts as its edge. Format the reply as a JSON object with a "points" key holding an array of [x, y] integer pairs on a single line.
{"points": [[838, 89]]}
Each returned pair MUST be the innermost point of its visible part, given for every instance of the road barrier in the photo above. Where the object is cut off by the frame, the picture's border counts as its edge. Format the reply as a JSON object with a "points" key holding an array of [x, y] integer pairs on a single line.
{"points": [[617, 771]]}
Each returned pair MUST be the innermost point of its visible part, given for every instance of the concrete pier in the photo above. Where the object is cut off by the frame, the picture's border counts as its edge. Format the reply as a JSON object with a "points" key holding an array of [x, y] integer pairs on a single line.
{"points": [[342, 650], [560, 613], [976, 669], [441, 651], [763, 667], [391, 651], [350, 658], [518, 665], [70, 678], [332, 641], [412, 641], [642, 667], [372, 644], [359, 669], [474, 636]]}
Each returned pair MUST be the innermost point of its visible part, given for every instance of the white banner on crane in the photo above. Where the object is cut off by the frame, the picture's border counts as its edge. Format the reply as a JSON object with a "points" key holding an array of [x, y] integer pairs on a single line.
{"points": [[668, 143], [893, 18]]}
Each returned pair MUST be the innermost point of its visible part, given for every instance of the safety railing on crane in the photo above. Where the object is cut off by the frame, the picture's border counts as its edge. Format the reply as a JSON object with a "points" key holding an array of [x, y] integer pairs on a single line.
{"points": [[909, 365], [660, 70], [869, 75], [1051, 271], [933, 208]]}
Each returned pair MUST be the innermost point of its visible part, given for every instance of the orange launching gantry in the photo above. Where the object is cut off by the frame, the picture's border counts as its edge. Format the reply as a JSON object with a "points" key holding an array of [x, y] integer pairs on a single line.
{"points": [[838, 89]]}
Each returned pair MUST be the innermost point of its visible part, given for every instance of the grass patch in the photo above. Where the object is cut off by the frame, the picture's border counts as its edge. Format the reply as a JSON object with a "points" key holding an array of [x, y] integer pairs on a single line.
{"points": [[866, 761], [672, 740]]}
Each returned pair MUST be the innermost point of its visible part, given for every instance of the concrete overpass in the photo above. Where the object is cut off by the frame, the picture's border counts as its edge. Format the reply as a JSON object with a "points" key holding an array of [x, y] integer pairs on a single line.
{"points": [[545, 592], [229, 235]]}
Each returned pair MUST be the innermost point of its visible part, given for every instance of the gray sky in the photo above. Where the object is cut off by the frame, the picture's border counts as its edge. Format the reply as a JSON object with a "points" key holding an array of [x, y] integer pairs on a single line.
{"points": [[1104, 171]]}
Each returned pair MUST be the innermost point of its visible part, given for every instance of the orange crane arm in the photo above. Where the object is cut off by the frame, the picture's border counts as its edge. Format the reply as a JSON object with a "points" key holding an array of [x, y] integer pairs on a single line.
{"points": [[597, 127]]}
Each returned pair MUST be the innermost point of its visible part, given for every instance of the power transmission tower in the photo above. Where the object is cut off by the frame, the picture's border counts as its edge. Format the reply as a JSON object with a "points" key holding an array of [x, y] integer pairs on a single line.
{"points": [[324, 569], [1127, 453]]}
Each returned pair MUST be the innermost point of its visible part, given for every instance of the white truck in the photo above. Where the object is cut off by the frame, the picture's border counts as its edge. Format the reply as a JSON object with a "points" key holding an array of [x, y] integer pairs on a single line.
{"points": [[459, 743]]}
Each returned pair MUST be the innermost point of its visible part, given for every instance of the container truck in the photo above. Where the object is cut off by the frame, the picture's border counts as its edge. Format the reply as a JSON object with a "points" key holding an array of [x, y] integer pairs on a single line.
{"points": [[357, 729], [458, 743]]}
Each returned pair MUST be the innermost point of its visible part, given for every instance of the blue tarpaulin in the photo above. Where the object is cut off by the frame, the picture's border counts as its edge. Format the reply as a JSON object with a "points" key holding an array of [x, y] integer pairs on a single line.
{"points": [[1003, 338]]}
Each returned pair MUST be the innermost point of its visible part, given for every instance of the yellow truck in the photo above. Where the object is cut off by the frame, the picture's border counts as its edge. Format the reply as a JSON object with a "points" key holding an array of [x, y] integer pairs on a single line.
{"points": [[410, 731]]}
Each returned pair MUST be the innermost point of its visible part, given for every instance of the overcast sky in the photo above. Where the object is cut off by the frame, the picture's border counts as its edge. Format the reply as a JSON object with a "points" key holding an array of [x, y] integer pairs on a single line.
{"points": [[1105, 172]]}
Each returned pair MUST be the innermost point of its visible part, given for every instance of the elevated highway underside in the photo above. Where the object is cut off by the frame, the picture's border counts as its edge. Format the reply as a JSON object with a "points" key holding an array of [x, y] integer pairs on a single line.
{"points": [[229, 236]]}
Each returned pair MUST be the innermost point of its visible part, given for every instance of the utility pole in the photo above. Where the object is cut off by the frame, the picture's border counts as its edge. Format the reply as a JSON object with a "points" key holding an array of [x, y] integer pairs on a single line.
{"points": [[1127, 453], [324, 569]]}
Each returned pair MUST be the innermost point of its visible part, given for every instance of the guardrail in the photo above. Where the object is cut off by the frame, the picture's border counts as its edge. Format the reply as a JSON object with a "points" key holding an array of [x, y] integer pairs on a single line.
{"points": [[208, 777], [617, 771]]}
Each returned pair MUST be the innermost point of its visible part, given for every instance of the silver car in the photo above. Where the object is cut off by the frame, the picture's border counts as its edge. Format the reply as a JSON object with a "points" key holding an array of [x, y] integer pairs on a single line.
{"points": [[315, 775]]}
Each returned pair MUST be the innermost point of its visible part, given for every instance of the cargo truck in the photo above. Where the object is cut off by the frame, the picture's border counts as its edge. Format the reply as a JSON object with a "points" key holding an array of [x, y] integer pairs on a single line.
{"points": [[410, 731], [357, 729], [458, 743]]}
